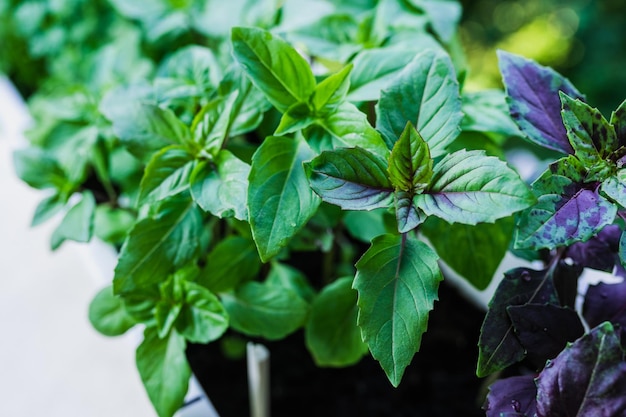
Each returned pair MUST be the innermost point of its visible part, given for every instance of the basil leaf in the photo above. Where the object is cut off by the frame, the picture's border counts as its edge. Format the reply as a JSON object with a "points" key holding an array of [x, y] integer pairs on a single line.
{"points": [[108, 315], [352, 178], [397, 280], [426, 93], [77, 224], [164, 371], [470, 187], [269, 311], [166, 174], [232, 261], [279, 199], [331, 333], [221, 186], [273, 66]]}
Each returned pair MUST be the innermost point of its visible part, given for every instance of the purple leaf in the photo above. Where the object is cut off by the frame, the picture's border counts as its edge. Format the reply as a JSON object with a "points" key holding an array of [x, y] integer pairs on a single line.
{"points": [[599, 251], [408, 215], [544, 329], [605, 302], [587, 379], [513, 396], [498, 346], [562, 220], [533, 97]]}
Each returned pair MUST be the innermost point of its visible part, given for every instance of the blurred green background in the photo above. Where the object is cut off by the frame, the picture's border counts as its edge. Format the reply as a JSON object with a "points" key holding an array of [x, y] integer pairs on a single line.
{"points": [[583, 39]]}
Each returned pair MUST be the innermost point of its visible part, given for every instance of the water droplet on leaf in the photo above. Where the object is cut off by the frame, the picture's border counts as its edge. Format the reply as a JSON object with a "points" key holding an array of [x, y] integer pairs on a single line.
{"points": [[526, 276], [516, 406]]}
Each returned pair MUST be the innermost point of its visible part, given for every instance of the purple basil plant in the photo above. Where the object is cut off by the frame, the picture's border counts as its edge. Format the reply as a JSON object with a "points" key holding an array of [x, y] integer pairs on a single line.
{"points": [[569, 362]]}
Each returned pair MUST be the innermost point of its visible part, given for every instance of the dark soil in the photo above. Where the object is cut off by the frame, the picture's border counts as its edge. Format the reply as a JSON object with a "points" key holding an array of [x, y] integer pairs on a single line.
{"points": [[440, 381]]}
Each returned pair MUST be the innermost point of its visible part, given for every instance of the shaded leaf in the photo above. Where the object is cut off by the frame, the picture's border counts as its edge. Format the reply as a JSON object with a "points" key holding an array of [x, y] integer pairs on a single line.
{"points": [[599, 251], [352, 178], [618, 120], [426, 93], [146, 128], [512, 397], [397, 280], [331, 333], [221, 186], [269, 311], [533, 98], [587, 379], [470, 187], [605, 302], [474, 252], [487, 111], [232, 261], [289, 277], [280, 201], [157, 244], [166, 174], [498, 346], [544, 329]]}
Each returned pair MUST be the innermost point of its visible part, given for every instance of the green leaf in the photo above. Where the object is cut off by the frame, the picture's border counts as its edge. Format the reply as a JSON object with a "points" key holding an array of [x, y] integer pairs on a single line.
{"points": [[346, 127], [375, 69], [331, 92], [221, 186], [366, 225], [474, 252], [268, 311], [410, 164], [164, 371], [470, 187], [108, 315], [297, 117], [444, 16], [250, 104], [211, 126], [39, 169], [331, 333], [202, 318], [286, 276], [232, 261], [77, 225], [146, 128], [112, 224], [618, 121], [47, 208], [589, 133], [158, 244], [352, 178], [170, 304], [332, 37], [280, 201], [397, 280], [487, 111], [426, 93], [274, 66], [166, 175], [615, 187]]}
